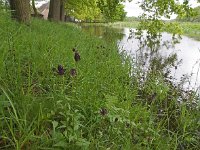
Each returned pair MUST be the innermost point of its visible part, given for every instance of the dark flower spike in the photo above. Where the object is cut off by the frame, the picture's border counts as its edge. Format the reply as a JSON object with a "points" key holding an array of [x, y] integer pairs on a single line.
{"points": [[77, 57], [73, 72], [60, 70], [103, 111]]}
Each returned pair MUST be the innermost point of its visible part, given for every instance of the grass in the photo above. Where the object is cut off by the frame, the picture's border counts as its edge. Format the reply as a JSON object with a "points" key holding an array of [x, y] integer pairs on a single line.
{"points": [[104, 105]]}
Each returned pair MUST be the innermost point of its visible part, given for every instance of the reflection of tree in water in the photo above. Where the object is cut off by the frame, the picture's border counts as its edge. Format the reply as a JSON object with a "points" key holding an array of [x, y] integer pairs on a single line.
{"points": [[156, 70], [157, 87], [107, 33]]}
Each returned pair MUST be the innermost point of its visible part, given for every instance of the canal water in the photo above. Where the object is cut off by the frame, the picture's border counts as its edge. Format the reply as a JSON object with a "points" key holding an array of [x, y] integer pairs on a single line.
{"points": [[186, 66]]}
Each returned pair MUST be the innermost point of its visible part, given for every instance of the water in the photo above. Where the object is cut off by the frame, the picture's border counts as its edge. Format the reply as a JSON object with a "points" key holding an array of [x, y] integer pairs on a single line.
{"points": [[187, 53]]}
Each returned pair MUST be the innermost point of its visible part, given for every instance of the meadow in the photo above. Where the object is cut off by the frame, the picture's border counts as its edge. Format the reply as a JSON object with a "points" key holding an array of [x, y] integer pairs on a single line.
{"points": [[63, 89]]}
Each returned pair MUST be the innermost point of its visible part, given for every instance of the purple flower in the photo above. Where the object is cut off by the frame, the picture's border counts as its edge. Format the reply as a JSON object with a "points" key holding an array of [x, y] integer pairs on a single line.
{"points": [[77, 57], [73, 72], [60, 70]]}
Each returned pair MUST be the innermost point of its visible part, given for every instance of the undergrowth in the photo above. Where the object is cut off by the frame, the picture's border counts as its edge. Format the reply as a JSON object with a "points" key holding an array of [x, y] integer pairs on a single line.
{"points": [[51, 100]]}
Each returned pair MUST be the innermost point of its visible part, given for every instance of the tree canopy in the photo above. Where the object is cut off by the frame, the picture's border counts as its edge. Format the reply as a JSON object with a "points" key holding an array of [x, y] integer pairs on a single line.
{"points": [[96, 10], [194, 18]]}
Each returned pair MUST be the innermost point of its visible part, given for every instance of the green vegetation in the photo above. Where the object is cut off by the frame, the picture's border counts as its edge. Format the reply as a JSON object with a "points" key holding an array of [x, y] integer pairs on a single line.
{"points": [[97, 102], [194, 18], [133, 24], [131, 19], [114, 24], [96, 10], [191, 29]]}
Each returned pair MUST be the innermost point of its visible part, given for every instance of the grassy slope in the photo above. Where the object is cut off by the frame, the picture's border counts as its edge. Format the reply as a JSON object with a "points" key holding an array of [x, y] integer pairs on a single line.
{"points": [[102, 107]]}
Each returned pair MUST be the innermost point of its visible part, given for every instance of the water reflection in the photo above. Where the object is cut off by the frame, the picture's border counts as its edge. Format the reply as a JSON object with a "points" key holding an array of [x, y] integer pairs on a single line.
{"points": [[107, 33], [178, 63]]}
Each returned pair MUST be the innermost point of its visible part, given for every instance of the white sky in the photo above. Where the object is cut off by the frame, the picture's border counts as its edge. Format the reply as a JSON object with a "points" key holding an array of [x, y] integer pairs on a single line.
{"points": [[133, 9]]}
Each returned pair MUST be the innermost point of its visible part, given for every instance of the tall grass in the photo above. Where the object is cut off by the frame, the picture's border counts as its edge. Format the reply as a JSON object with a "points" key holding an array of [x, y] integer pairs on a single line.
{"points": [[101, 106]]}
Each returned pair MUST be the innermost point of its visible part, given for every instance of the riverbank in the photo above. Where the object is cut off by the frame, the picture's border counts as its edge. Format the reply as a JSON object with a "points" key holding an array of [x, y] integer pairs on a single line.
{"points": [[189, 29], [50, 98]]}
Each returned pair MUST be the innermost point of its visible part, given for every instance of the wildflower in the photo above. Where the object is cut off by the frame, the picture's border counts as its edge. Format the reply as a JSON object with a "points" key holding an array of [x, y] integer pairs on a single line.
{"points": [[60, 70], [73, 72], [77, 56], [103, 111]]}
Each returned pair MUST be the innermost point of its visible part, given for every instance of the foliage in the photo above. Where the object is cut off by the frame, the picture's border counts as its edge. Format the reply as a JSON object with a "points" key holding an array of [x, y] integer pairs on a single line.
{"points": [[83, 9], [96, 10], [112, 10], [152, 23], [191, 29], [131, 19], [194, 18]]}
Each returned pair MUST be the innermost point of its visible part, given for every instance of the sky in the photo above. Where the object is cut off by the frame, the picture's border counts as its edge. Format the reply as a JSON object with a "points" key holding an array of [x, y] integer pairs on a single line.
{"points": [[133, 9]]}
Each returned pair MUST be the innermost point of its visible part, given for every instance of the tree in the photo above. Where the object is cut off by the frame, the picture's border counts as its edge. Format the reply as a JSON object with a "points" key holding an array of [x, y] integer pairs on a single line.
{"points": [[151, 22], [101, 10], [62, 10], [54, 10], [85, 10], [194, 18], [57, 10], [20, 10]]}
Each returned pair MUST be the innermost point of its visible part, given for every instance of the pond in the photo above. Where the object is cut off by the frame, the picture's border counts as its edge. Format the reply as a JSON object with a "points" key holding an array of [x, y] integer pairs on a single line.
{"points": [[185, 55]]}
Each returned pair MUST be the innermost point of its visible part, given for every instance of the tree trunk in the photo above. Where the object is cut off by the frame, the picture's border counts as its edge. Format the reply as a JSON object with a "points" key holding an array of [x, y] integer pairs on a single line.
{"points": [[20, 10], [54, 10], [62, 11]]}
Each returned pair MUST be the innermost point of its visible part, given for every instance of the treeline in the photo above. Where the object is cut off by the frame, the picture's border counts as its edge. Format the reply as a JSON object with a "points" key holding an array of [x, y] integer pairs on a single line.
{"points": [[131, 19], [83, 10]]}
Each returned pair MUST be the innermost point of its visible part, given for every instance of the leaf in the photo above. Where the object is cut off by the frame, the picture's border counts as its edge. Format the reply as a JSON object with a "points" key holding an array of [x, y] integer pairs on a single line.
{"points": [[3, 103], [62, 144], [83, 143], [111, 100], [55, 124]]}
